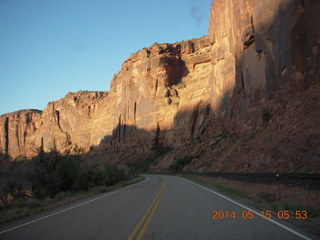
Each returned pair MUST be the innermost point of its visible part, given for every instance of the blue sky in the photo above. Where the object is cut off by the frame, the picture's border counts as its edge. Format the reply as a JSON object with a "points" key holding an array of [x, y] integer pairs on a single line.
{"points": [[51, 47]]}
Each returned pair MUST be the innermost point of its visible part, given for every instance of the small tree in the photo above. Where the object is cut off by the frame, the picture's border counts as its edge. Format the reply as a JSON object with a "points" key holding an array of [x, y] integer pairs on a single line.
{"points": [[44, 174], [15, 190], [68, 172], [12, 189], [4, 197], [180, 163], [112, 174], [266, 116]]}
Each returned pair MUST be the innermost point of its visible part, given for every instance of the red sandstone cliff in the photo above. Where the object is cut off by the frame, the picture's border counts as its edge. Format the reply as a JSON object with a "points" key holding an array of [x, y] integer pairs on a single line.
{"points": [[257, 55], [62, 125], [17, 133], [261, 52], [152, 86]]}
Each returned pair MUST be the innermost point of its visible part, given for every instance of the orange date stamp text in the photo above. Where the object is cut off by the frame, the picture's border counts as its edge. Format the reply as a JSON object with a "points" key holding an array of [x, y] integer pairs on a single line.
{"points": [[248, 214]]}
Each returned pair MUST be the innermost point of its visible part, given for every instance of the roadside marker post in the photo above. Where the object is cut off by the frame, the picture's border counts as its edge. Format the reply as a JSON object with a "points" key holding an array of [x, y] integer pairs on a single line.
{"points": [[278, 187]]}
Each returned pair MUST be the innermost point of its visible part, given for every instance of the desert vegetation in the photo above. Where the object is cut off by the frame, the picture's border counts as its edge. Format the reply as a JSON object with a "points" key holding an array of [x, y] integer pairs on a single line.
{"points": [[54, 177], [145, 164], [53, 172], [180, 162], [266, 115]]}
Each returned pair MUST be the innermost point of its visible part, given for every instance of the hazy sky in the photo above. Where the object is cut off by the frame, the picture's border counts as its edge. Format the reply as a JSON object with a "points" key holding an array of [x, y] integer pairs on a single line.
{"points": [[51, 47]]}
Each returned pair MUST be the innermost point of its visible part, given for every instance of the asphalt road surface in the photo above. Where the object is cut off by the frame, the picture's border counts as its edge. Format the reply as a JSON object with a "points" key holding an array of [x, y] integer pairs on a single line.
{"points": [[160, 207]]}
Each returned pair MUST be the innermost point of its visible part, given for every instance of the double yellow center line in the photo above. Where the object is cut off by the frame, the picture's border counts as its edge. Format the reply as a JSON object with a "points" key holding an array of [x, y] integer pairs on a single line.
{"points": [[147, 217]]}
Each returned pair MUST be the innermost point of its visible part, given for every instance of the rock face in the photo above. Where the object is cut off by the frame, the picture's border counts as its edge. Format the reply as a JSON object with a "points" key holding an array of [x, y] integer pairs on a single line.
{"points": [[17, 133], [261, 52], [62, 125], [70, 121], [256, 54], [155, 84]]}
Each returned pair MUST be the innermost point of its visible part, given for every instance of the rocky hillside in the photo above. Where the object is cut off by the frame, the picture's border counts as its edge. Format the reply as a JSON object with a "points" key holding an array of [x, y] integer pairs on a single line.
{"points": [[239, 80]]}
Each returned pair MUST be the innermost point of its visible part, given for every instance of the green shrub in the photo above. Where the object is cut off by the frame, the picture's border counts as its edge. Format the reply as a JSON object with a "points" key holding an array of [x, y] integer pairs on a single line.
{"points": [[306, 169], [53, 173], [220, 138], [44, 174], [266, 116], [68, 173], [127, 172], [180, 163], [89, 177], [161, 151], [11, 191], [181, 85], [112, 174], [19, 203], [15, 190], [144, 165]]}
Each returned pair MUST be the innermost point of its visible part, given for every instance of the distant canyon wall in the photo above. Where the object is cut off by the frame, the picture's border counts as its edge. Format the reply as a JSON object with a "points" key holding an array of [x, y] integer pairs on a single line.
{"points": [[62, 125], [257, 53]]}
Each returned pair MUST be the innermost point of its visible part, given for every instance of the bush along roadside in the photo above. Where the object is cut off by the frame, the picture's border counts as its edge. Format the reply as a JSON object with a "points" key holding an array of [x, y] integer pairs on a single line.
{"points": [[53, 173], [28, 206], [53, 177]]}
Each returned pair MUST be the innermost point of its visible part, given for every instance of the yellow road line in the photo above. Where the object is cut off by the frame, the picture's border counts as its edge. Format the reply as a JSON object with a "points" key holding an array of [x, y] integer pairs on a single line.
{"points": [[135, 230], [145, 227], [150, 212]]}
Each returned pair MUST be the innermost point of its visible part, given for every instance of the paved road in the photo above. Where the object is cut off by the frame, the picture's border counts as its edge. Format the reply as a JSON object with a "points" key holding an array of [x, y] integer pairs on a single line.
{"points": [[160, 207]]}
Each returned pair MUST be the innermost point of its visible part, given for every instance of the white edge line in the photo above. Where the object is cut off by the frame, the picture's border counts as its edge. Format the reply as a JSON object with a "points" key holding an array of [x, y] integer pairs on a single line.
{"points": [[67, 209], [239, 204]]}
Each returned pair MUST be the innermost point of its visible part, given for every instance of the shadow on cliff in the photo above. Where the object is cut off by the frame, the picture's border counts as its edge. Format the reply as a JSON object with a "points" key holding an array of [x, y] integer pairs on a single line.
{"points": [[4, 159], [129, 144], [261, 71], [176, 70], [276, 58]]}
